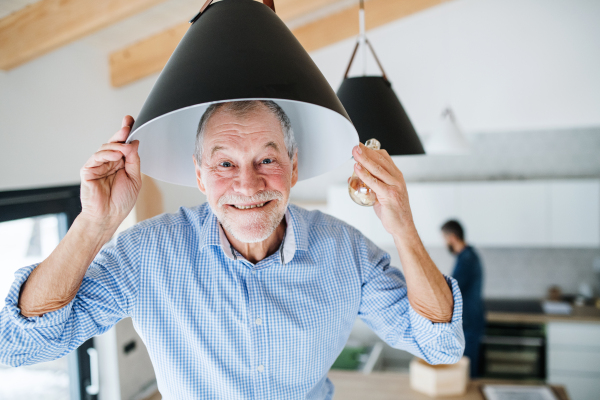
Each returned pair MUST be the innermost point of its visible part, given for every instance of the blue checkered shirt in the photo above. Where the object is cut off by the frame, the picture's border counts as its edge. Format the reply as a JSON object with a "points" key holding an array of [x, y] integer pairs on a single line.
{"points": [[219, 327]]}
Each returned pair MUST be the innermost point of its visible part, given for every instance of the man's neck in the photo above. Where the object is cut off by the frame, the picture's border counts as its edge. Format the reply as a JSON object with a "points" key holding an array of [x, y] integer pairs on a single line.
{"points": [[255, 252], [458, 247]]}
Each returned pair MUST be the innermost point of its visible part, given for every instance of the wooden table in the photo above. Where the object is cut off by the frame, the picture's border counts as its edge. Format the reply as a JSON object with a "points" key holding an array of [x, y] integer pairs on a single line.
{"points": [[351, 385]]}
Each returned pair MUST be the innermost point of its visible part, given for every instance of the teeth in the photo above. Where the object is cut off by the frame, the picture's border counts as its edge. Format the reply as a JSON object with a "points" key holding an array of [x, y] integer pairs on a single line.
{"points": [[247, 207]]}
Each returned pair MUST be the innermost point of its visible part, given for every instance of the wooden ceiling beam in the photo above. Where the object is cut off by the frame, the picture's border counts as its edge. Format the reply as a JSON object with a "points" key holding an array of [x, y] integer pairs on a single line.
{"points": [[288, 10], [344, 24], [48, 24], [150, 55]]}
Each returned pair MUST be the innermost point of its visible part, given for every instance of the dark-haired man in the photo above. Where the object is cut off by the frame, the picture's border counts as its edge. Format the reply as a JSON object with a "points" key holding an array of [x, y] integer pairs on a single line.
{"points": [[469, 275]]}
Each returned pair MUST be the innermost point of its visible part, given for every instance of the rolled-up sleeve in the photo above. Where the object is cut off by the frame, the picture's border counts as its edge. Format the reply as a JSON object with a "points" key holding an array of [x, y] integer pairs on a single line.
{"points": [[106, 295], [386, 310]]}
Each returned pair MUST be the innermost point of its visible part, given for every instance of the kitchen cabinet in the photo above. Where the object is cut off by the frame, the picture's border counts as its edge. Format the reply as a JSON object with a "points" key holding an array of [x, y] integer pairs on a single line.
{"points": [[341, 206], [575, 213], [125, 368], [505, 214], [432, 205], [573, 358], [553, 213]]}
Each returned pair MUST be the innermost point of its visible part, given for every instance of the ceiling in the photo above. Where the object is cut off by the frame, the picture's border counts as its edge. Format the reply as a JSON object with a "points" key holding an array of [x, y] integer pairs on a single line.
{"points": [[10, 6], [163, 16]]}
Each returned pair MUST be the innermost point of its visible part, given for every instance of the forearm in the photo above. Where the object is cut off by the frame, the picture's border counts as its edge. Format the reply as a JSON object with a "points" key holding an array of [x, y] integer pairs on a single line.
{"points": [[55, 282], [428, 291]]}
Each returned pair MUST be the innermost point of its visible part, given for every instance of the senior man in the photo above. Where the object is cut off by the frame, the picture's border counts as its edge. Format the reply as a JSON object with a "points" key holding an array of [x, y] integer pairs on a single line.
{"points": [[243, 297]]}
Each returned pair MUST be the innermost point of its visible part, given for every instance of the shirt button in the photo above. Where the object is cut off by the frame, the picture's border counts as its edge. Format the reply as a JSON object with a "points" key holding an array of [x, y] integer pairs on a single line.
{"points": [[258, 321], [260, 368]]}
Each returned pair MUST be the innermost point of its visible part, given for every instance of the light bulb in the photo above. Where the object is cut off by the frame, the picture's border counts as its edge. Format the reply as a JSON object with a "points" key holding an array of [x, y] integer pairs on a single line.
{"points": [[359, 191]]}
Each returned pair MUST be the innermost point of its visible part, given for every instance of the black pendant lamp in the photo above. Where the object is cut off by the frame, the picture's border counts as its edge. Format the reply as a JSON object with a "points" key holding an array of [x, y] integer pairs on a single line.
{"points": [[375, 109], [240, 50]]}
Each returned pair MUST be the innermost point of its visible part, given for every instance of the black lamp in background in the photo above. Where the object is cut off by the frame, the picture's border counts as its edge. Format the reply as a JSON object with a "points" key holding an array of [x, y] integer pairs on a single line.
{"points": [[374, 108], [240, 50]]}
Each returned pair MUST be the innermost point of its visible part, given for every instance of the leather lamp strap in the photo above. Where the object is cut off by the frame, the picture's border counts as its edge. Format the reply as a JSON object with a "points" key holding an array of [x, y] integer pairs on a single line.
{"points": [[366, 41], [268, 3]]}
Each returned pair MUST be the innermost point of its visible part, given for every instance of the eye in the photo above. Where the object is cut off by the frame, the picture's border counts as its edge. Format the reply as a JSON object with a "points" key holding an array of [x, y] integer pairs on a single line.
{"points": [[225, 164], [267, 161]]}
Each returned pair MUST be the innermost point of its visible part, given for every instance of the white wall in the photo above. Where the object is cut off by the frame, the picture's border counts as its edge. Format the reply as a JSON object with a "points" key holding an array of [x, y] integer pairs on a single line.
{"points": [[55, 112], [502, 64]]}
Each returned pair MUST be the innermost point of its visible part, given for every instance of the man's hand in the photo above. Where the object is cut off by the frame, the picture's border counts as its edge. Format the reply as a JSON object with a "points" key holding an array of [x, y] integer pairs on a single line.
{"points": [[377, 169], [110, 183], [428, 292], [111, 180]]}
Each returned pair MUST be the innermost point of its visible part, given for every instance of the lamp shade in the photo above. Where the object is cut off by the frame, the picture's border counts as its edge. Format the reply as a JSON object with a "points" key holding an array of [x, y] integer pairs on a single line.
{"points": [[447, 138], [240, 50], [377, 113]]}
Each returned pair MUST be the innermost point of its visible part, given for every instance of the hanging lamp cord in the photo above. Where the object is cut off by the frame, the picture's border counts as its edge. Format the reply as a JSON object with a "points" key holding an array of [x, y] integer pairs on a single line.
{"points": [[368, 43], [268, 3]]}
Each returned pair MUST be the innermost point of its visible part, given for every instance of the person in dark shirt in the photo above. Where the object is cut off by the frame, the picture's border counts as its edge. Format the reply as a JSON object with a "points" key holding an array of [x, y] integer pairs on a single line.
{"points": [[468, 272]]}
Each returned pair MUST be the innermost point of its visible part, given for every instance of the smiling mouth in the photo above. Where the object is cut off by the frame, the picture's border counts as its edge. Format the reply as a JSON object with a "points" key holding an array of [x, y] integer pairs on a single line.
{"points": [[239, 207]]}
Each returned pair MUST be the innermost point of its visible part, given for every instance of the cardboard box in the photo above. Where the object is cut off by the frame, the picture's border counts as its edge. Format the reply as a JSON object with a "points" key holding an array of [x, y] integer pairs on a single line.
{"points": [[439, 380]]}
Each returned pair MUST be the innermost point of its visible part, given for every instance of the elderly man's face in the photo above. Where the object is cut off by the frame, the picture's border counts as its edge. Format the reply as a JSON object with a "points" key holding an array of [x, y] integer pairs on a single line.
{"points": [[246, 173]]}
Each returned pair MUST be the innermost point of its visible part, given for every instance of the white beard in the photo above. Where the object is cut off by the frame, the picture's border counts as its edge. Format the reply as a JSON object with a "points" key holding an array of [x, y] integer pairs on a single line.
{"points": [[252, 226]]}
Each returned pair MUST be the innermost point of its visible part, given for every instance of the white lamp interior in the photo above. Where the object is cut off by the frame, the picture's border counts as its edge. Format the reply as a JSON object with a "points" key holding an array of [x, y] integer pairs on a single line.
{"points": [[325, 141]]}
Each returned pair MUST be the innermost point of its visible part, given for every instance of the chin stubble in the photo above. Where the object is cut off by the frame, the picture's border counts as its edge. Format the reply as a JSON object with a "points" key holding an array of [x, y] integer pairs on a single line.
{"points": [[257, 225]]}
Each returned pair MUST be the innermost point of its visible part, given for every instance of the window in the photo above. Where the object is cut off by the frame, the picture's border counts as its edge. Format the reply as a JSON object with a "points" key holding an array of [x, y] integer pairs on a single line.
{"points": [[32, 223]]}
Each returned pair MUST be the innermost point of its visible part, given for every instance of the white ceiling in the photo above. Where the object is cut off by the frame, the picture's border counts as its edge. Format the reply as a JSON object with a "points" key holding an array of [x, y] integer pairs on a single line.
{"points": [[10, 6]]}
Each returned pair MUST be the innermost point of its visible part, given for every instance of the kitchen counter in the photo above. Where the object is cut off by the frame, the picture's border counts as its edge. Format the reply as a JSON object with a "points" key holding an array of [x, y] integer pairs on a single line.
{"points": [[350, 385], [579, 314]]}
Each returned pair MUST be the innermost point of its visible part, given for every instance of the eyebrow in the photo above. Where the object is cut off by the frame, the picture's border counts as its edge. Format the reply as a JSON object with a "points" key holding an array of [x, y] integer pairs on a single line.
{"points": [[215, 149], [273, 145], [218, 148]]}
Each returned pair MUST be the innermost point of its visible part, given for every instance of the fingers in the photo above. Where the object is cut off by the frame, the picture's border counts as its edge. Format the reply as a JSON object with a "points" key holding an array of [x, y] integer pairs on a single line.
{"points": [[132, 162], [127, 121], [378, 163], [101, 171], [111, 152], [380, 156], [103, 157], [123, 133], [123, 148], [372, 182], [115, 158]]}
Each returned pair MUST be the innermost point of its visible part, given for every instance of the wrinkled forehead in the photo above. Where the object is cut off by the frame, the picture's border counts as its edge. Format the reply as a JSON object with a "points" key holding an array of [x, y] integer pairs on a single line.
{"points": [[250, 132]]}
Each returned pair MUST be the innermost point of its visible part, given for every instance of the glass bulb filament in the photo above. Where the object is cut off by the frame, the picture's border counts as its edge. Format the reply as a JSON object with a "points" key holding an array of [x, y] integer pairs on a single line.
{"points": [[358, 190]]}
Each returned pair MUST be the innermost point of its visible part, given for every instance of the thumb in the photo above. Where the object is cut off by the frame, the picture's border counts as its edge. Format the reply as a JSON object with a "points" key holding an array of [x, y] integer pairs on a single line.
{"points": [[132, 163]]}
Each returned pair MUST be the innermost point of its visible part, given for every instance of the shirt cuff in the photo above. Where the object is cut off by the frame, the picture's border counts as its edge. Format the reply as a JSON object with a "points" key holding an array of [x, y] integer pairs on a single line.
{"points": [[425, 331], [12, 305]]}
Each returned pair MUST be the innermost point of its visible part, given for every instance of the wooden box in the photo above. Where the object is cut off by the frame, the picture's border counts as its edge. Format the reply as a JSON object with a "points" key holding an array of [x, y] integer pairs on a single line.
{"points": [[439, 380]]}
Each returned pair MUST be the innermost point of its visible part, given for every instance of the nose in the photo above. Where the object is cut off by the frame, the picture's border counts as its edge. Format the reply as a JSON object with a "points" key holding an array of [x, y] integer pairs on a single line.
{"points": [[249, 181]]}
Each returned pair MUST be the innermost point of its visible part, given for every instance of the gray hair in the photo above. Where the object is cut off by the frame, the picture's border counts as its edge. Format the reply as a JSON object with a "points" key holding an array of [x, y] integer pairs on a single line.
{"points": [[241, 109]]}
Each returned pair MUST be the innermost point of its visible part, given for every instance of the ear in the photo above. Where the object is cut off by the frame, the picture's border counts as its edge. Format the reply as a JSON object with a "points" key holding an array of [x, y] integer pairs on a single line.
{"points": [[295, 170], [199, 176]]}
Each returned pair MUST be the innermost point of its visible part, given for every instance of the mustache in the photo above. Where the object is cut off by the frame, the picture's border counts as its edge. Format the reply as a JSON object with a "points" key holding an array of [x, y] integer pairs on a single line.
{"points": [[260, 197]]}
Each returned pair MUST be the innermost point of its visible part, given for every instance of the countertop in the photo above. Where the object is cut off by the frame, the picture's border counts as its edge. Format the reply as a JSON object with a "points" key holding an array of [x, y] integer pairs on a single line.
{"points": [[580, 314], [350, 385]]}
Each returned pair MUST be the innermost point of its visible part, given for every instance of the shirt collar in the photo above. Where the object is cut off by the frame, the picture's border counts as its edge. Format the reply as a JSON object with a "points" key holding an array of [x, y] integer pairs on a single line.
{"points": [[295, 237]]}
